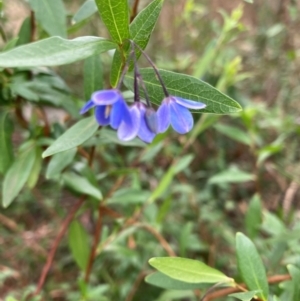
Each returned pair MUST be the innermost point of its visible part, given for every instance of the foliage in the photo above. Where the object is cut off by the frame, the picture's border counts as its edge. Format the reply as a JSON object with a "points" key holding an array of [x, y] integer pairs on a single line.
{"points": [[126, 205]]}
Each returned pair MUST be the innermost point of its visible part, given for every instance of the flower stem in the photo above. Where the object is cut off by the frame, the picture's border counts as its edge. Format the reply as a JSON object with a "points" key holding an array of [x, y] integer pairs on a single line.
{"points": [[154, 68]]}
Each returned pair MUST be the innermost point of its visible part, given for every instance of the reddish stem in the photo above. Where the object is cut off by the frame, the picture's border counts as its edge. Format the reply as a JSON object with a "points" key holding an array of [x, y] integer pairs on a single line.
{"points": [[55, 245], [134, 10]]}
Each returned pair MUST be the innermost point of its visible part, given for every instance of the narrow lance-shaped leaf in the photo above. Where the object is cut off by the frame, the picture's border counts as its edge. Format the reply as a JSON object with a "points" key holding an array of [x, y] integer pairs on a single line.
{"points": [[17, 175], [188, 270], [79, 244], [251, 266], [54, 51], [25, 32], [140, 32], [35, 170], [253, 218], [74, 136], [81, 185], [6, 149], [114, 14], [93, 75], [187, 87], [295, 273], [87, 9], [51, 15], [231, 175], [60, 161]]}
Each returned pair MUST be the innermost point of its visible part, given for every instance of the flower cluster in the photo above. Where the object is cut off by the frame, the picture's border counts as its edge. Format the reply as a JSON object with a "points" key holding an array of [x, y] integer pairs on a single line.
{"points": [[140, 119]]}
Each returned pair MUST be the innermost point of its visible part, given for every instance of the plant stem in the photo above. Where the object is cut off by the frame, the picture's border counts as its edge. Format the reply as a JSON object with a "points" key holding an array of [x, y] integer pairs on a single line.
{"points": [[134, 10], [55, 245], [231, 290], [98, 231]]}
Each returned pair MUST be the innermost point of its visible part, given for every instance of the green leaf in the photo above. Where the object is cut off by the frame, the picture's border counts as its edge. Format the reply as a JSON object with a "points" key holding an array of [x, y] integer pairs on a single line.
{"points": [[233, 133], [251, 266], [79, 244], [163, 281], [188, 270], [87, 9], [127, 196], [10, 298], [187, 87], [183, 163], [93, 75], [74, 136], [17, 175], [273, 225], [11, 44], [59, 162], [6, 148], [163, 184], [25, 32], [143, 24], [36, 169], [267, 151], [114, 14], [231, 175], [247, 296], [54, 51], [81, 185], [253, 218], [168, 176], [295, 273], [51, 15], [140, 31]]}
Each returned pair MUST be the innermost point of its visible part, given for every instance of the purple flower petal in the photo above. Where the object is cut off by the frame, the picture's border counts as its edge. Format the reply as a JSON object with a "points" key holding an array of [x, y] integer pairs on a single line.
{"points": [[129, 128], [119, 112], [163, 117], [88, 105], [181, 118], [106, 97], [144, 133], [189, 103], [102, 115], [151, 120]]}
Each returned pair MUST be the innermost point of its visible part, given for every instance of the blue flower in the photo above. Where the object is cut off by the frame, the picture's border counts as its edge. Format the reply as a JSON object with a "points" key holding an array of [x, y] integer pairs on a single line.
{"points": [[110, 107], [174, 111], [139, 115]]}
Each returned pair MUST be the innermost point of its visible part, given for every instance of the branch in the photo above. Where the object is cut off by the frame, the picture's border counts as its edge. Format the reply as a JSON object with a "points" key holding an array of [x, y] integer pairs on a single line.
{"points": [[231, 290], [55, 245], [159, 237], [134, 10], [98, 229]]}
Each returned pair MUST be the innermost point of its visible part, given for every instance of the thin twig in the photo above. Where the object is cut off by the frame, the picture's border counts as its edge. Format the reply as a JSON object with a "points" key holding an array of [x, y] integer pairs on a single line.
{"points": [[9, 223], [231, 290], [94, 247], [136, 284], [55, 245], [42, 114], [98, 230], [134, 10], [159, 237], [289, 197]]}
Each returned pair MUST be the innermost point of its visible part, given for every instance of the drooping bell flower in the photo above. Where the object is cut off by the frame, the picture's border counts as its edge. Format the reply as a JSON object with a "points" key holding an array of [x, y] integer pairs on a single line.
{"points": [[174, 111], [110, 108], [139, 126]]}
